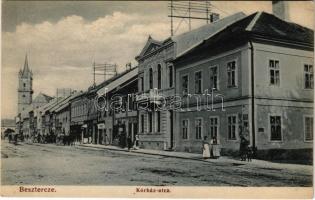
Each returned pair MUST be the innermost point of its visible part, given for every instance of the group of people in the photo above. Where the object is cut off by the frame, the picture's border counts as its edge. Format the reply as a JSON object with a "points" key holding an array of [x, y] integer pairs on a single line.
{"points": [[246, 152], [128, 143], [210, 150]]}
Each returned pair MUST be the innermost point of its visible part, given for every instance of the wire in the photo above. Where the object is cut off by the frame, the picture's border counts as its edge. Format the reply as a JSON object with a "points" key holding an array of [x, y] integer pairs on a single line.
{"points": [[220, 9]]}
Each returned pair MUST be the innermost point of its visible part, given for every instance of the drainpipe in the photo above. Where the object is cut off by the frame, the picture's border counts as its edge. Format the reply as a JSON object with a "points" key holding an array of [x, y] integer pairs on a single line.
{"points": [[253, 97]]}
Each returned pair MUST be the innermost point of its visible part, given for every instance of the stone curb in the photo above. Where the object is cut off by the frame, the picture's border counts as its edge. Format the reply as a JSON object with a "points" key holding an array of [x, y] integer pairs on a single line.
{"points": [[147, 153]]}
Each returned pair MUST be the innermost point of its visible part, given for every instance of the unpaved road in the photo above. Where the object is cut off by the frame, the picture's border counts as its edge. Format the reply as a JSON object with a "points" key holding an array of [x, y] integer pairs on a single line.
{"points": [[26, 164]]}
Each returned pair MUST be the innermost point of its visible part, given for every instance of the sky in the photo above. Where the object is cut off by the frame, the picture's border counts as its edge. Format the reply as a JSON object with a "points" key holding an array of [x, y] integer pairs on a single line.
{"points": [[63, 38]]}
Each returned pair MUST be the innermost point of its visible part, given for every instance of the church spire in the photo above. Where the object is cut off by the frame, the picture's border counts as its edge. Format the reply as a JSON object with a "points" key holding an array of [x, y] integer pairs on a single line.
{"points": [[26, 71]]}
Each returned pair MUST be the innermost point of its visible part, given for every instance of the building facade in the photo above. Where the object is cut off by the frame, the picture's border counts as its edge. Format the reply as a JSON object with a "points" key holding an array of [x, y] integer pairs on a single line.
{"points": [[157, 83], [117, 108], [78, 106], [258, 85]]}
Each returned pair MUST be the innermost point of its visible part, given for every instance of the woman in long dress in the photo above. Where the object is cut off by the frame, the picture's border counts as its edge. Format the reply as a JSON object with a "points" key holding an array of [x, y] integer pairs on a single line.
{"points": [[215, 150], [205, 148]]}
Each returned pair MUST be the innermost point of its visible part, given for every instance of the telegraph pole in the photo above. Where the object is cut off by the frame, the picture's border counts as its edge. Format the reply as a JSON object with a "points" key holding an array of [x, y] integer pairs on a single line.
{"points": [[103, 69], [189, 10]]}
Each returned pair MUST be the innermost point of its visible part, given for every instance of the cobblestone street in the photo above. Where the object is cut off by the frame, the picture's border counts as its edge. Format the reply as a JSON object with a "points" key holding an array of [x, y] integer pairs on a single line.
{"points": [[40, 164]]}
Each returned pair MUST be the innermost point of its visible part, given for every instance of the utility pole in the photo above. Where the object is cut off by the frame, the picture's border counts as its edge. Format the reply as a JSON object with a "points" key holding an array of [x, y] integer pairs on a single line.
{"points": [[172, 33], [104, 69], [94, 73], [189, 10], [189, 14]]}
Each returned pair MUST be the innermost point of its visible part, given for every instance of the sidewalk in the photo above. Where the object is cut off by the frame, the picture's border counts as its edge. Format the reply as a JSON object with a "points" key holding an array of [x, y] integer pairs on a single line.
{"points": [[194, 156]]}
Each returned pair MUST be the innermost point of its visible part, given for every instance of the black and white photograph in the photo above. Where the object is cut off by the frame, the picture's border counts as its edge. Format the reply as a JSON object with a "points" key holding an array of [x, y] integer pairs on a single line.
{"points": [[186, 99]]}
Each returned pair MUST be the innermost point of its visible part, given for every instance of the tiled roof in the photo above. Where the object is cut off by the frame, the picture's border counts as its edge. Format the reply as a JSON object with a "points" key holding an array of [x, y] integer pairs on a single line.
{"points": [[263, 25], [192, 38], [272, 26], [66, 102], [185, 41], [103, 84], [41, 97], [118, 81]]}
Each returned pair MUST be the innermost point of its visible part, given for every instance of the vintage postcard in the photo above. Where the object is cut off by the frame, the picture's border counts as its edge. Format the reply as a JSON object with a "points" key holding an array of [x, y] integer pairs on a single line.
{"points": [[157, 99]]}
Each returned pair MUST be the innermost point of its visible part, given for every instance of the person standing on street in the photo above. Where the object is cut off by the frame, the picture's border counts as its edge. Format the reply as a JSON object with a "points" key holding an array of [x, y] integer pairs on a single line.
{"points": [[136, 142], [215, 151], [129, 142], [205, 148]]}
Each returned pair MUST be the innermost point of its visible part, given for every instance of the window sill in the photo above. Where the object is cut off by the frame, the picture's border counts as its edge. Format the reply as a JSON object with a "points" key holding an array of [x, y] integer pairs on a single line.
{"points": [[274, 85], [276, 141], [214, 89]]}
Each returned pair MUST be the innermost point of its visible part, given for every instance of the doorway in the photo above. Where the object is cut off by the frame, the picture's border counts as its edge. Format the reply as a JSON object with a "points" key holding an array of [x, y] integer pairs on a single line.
{"points": [[171, 127]]}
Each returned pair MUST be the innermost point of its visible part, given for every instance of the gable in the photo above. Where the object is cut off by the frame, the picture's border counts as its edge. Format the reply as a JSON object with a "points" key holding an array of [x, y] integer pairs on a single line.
{"points": [[149, 47], [42, 98]]}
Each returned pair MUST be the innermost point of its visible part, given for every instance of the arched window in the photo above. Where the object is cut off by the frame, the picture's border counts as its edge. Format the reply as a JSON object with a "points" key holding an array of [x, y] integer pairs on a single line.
{"points": [[159, 76], [24, 85], [151, 78], [170, 75]]}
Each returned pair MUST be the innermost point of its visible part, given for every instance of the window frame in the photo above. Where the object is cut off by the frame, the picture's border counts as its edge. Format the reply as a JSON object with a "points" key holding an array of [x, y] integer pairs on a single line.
{"points": [[218, 76], [218, 126], [269, 74], [141, 79], [182, 127], [304, 73], [170, 83], [236, 73], [269, 126], [151, 78], [150, 122], [187, 84], [159, 76], [201, 81], [201, 134], [236, 127], [304, 127], [158, 121]]}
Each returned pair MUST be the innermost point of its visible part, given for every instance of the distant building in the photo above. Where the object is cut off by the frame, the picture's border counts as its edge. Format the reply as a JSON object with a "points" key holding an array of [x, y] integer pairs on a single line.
{"points": [[40, 100], [78, 113], [114, 126], [26, 121], [64, 92], [7, 124]]}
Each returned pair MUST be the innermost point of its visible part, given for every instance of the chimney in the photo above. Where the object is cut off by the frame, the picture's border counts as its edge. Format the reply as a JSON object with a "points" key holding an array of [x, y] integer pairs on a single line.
{"points": [[281, 10], [214, 17]]}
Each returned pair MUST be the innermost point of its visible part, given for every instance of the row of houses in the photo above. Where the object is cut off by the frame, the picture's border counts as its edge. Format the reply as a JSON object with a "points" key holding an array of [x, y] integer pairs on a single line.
{"points": [[242, 75]]}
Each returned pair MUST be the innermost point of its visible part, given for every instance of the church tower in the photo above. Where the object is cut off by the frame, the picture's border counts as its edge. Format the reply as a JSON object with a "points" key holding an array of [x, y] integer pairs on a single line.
{"points": [[25, 88]]}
